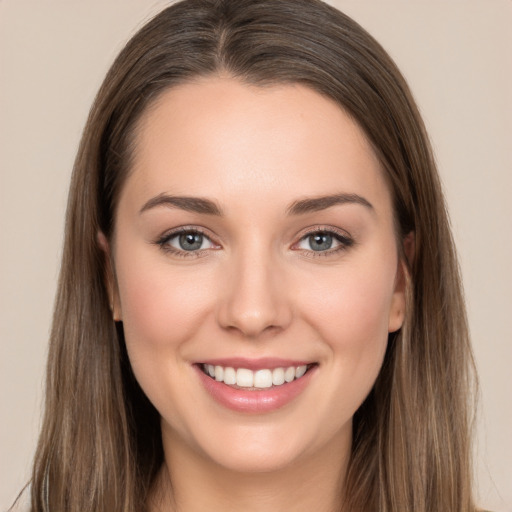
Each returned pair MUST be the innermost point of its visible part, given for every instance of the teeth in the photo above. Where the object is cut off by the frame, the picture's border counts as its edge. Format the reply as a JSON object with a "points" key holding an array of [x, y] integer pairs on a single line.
{"points": [[229, 376], [264, 378], [278, 376], [300, 371], [289, 374], [244, 378], [219, 373]]}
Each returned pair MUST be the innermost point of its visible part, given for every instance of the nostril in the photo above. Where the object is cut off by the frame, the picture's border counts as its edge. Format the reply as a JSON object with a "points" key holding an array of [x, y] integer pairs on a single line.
{"points": [[253, 301]]}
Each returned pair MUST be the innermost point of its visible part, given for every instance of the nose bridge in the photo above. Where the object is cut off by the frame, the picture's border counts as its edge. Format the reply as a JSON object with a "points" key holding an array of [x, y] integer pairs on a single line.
{"points": [[255, 298]]}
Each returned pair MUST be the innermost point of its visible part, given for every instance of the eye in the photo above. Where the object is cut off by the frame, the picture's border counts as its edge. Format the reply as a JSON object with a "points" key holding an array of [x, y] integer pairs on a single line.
{"points": [[186, 242], [324, 241], [191, 241], [317, 242]]}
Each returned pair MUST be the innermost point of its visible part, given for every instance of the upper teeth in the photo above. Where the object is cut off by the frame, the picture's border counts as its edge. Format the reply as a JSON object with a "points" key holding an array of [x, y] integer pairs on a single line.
{"points": [[245, 378]]}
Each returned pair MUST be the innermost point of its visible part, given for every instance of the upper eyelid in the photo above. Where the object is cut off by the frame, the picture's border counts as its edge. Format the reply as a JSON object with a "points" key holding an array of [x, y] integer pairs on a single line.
{"points": [[185, 229], [163, 242], [339, 233], [324, 229], [344, 239]]}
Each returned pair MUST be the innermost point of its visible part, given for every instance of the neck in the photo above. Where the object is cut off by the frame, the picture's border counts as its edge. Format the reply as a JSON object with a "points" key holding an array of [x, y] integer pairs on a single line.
{"points": [[189, 482]]}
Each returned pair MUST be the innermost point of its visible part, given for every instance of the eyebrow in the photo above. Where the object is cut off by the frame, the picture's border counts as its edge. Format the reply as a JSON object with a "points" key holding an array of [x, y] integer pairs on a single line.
{"points": [[190, 204], [316, 204], [209, 207]]}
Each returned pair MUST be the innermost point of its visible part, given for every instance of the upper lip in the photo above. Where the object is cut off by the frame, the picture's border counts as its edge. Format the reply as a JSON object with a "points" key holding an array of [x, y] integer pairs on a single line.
{"points": [[256, 364]]}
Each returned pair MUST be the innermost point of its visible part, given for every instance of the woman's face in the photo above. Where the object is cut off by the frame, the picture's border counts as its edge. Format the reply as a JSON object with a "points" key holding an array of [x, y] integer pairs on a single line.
{"points": [[254, 240]]}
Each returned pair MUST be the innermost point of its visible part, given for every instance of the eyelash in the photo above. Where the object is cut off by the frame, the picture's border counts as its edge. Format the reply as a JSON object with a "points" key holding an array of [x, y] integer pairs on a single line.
{"points": [[163, 242], [344, 240], [342, 237]]}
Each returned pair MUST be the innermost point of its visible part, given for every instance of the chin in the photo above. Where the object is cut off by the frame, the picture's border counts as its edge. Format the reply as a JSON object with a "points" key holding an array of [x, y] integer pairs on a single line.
{"points": [[268, 448], [255, 458]]}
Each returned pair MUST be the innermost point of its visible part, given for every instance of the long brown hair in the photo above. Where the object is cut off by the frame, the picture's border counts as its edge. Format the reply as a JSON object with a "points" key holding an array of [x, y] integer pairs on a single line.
{"points": [[100, 445]]}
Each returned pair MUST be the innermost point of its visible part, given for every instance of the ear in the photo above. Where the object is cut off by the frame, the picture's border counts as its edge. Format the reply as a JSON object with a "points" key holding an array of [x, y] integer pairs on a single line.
{"points": [[398, 302], [110, 278]]}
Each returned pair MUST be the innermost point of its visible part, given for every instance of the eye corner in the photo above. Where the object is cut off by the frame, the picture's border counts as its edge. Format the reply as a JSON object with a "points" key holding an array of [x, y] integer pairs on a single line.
{"points": [[172, 242], [326, 235]]}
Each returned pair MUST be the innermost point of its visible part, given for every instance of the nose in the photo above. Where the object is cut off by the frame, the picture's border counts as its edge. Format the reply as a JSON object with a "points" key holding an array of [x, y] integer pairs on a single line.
{"points": [[255, 299]]}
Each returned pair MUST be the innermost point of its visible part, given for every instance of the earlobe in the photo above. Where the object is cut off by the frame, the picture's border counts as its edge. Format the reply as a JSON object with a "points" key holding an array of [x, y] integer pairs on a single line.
{"points": [[397, 309], [398, 304], [109, 278]]}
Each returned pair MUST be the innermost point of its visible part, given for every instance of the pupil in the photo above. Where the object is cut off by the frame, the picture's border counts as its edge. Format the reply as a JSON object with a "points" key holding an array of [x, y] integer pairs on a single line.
{"points": [[191, 241], [320, 242]]}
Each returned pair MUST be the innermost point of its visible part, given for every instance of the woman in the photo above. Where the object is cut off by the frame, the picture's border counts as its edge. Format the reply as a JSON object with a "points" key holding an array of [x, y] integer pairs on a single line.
{"points": [[259, 303]]}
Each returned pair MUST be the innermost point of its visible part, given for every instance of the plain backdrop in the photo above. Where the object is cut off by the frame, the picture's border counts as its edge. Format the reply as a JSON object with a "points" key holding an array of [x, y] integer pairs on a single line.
{"points": [[457, 57]]}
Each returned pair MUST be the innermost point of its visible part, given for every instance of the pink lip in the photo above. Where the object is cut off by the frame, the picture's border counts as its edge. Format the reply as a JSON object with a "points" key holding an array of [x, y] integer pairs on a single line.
{"points": [[254, 401]]}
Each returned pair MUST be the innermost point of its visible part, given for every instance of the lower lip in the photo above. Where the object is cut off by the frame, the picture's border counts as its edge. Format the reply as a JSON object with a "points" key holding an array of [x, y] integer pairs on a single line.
{"points": [[255, 401]]}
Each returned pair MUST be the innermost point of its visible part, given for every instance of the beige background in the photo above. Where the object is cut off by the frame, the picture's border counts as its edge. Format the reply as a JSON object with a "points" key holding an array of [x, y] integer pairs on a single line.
{"points": [[456, 55]]}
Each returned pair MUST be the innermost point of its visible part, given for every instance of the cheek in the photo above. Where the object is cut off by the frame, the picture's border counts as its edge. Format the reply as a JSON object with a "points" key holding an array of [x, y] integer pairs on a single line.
{"points": [[351, 311], [159, 305], [356, 301], [161, 309]]}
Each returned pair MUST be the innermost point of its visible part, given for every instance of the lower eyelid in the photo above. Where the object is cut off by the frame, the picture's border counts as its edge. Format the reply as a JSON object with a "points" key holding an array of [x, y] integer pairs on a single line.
{"points": [[164, 241], [176, 236], [343, 240]]}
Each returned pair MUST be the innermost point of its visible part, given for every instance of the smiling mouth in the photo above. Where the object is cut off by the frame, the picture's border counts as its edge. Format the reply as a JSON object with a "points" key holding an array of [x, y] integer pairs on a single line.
{"points": [[249, 380]]}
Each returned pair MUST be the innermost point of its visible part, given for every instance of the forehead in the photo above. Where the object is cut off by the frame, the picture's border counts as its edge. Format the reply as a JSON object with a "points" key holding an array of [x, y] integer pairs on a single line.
{"points": [[219, 137]]}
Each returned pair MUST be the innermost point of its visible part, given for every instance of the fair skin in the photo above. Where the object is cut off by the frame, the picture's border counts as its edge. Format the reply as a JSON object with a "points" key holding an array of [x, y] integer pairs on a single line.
{"points": [[262, 272]]}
